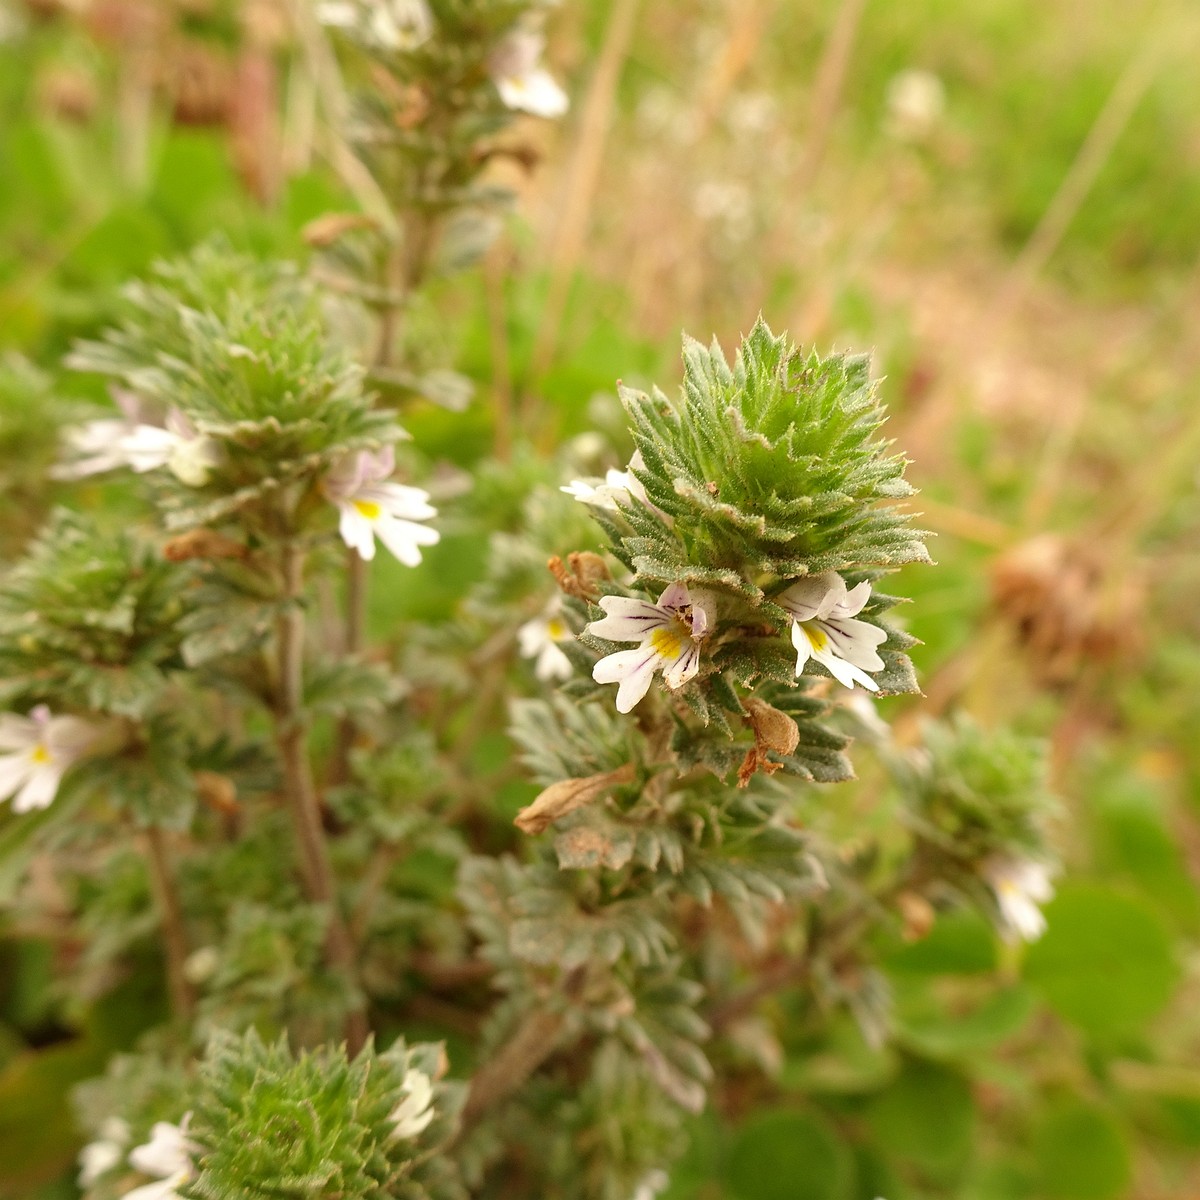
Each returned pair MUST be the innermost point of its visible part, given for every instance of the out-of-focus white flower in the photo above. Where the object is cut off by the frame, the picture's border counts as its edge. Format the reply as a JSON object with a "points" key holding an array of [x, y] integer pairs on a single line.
{"points": [[823, 628], [669, 633], [538, 639], [201, 965], [168, 1157], [1021, 887], [413, 1114], [371, 507], [916, 102], [35, 753], [396, 25], [728, 204], [618, 487], [114, 442], [651, 1184], [99, 1157], [523, 83], [865, 713]]}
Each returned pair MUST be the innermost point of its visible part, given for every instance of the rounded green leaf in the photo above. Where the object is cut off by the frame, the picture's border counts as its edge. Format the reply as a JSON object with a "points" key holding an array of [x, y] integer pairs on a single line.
{"points": [[927, 1118], [1106, 961], [1081, 1154], [788, 1156]]}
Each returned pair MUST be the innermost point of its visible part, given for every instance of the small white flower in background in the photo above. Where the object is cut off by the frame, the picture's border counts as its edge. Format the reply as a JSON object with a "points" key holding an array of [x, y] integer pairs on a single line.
{"points": [[538, 639], [371, 507], [728, 205], [618, 487], [669, 633], [916, 102], [168, 1157], [651, 1184], [867, 715], [35, 753], [397, 25], [822, 611], [114, 442], [99, 1157], [413, 1114], [1021, 886], [523, 83]]}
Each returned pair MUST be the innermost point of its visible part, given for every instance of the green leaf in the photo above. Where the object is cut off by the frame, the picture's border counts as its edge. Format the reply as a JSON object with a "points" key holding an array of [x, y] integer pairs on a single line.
{"points": [[1081, 1154], [937, 1030], [1106, 963], [787, 1155], [927, 1118], [960, 943]]}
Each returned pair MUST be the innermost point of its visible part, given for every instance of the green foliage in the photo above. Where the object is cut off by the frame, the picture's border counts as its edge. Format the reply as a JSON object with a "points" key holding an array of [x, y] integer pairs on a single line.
{"points": [[313, 1125], [769, 470], [1106, 963], [90, 620]]}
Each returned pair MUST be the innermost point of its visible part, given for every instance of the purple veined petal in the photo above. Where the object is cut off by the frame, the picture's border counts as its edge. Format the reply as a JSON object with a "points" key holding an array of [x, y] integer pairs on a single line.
{"points": [[404, 538], [684, 667], [15, 770], [675, 595], [345, 477], [40, 787], [632, 670], [853, 602], [357, 532], [812, 596], [847, 674], [628, 619], [378, 464], [855, 641]]}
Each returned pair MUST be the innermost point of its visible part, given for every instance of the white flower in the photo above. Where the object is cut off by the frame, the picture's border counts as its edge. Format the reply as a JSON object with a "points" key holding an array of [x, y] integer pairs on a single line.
{"points": [[618, 487], [123, 442], [100, 1156], [397, 25], [539, 638], [413, 1114], [916, 101], [822, 612], [168, 1156], [40, 749], [371, 507], [669, 633], [651, 1184], [521, 80], [1021, 886]]}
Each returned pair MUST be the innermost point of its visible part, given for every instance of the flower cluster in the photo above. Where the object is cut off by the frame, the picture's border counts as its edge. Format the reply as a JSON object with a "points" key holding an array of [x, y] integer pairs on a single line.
{"points": [[167, 1158]]}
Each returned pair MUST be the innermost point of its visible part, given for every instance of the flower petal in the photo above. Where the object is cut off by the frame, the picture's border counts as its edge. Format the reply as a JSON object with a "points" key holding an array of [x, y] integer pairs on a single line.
{"points": [[357, 532], [40, 788], [632, 669], [813, 596], [676, 596], [855, 641], [15, 770], [846, 673], [852, 604], [803, 648], [404, 538], [628, 619], [685, 665]]}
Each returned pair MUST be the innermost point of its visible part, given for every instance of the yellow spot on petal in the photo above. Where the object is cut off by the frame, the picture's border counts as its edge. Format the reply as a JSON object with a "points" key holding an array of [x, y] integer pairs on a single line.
{"points": [[368, 509], [817, 637], [40, 755], [666, 641], [556, 629]]}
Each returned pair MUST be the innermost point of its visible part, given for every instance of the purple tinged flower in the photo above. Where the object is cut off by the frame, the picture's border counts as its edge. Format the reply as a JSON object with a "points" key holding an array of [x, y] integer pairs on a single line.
{"points": [[669, 634], [822, 610], [371, 506]]}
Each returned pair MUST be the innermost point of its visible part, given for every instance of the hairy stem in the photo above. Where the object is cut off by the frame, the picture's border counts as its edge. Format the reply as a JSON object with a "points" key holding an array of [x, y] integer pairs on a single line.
{"points": [[292, 737], [174, 931]]}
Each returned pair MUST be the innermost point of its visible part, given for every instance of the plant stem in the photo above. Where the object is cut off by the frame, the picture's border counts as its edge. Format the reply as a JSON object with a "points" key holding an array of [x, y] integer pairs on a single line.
{"points": [[291, 736], [174, 931]]}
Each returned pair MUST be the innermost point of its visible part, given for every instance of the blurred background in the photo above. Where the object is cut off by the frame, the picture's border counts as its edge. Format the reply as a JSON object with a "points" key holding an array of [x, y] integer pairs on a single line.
{"points": [[1000, 199]]}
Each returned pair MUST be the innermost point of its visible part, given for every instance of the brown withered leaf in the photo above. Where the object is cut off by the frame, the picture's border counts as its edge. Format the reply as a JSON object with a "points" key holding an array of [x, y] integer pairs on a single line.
{"points": [[202, 543], [567, 795], [581, 575], [773, 730], [328, 228]]}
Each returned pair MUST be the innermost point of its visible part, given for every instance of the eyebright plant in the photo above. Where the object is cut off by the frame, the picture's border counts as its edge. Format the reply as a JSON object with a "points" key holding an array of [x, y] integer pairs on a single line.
{"points": [[321, 842]]}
